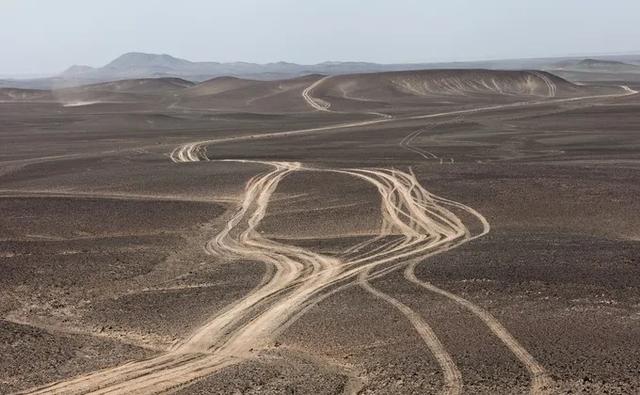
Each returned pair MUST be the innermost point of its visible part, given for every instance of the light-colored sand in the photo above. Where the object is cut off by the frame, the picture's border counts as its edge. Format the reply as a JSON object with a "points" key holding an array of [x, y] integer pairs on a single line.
{"points": [[81, 103]]}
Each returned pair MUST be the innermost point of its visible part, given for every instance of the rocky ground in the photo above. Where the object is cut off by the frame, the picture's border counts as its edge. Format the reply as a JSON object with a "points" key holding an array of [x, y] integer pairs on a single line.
{"points": [[102, 259]]}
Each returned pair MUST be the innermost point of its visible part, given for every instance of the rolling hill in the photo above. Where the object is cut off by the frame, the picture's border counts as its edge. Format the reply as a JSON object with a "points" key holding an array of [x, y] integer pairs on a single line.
{"points": [[416, 90], [137, 65]]}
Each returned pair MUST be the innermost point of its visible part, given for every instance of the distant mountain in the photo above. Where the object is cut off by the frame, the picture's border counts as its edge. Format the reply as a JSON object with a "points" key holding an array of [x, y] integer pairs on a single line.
{"points": [[77, 70], [598, 65], [594, 70], [600, 62], [137, 61], [137, 65], [143, 65]]}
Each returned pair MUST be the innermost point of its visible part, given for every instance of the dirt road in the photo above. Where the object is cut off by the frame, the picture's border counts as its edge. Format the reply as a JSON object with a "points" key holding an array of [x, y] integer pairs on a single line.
{"points": [[416, 224]]}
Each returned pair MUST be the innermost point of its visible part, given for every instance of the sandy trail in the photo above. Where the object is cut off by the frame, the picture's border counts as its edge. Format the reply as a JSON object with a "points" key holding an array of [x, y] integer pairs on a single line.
{"points": [[299, 277], [420, 223], [197, 151], [317, 104], [407, 143], [452, 376], [551, 86]]}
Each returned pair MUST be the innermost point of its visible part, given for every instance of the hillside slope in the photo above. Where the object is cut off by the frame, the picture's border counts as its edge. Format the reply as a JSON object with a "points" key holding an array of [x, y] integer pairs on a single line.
{"points": [[136, 90], [445, 87], [235, 94]]}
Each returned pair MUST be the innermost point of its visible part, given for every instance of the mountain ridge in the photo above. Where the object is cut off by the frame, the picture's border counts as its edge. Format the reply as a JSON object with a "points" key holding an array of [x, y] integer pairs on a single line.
{"points": [[136, 65]]}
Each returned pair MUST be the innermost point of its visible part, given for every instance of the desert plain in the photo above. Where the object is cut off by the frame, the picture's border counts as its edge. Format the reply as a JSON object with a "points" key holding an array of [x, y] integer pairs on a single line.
{"points": [[437, 231]]}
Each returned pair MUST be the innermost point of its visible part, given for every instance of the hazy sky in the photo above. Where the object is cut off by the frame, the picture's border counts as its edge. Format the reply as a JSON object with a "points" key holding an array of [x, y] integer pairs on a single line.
{"points": [[44, 36]]}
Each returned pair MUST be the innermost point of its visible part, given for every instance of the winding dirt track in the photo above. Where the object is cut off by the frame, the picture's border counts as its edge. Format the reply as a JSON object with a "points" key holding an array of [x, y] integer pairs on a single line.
{"points": [[406, 143], [550, 84], [416, 224], [317, 104]]}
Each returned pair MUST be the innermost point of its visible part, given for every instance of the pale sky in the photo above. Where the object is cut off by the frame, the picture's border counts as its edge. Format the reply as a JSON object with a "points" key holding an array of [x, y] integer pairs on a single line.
{"points": [[47, 36]]}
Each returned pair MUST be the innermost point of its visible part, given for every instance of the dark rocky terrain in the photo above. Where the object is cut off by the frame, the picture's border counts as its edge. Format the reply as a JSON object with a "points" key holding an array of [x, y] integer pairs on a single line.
{"points": [[103, 238]]}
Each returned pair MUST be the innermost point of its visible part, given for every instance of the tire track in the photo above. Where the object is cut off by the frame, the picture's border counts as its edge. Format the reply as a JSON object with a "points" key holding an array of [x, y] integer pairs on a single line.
{"points": [[551, 86], [299, 277], [452, 376], [317, 104], [406, 144], [425, 225], [197, 151]]}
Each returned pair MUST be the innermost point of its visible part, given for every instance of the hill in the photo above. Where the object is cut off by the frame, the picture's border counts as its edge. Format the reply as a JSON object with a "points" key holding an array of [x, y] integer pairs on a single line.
{"points": [[598, 65], [364, 92], [135, 90], [137, 65], [383, 92], [20, 95], [235, 94], [596, 70]]}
